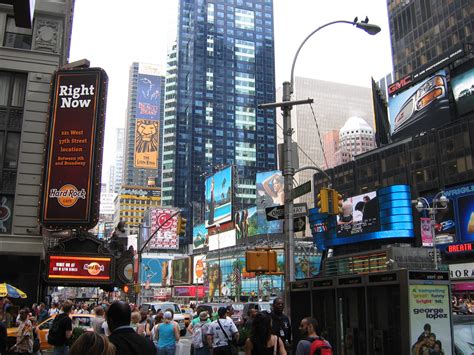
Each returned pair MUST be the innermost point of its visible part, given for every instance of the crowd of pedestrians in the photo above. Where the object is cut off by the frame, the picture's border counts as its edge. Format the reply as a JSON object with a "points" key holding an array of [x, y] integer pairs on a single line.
{"points": [[125, 329]]}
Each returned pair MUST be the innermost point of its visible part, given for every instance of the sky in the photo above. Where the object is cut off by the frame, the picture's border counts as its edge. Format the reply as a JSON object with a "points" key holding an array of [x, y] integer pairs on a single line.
{"points": [[112, 35]]}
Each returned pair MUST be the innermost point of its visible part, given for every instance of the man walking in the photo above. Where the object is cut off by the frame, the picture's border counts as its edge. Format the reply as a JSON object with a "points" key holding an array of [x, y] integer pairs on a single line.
{"points": [[308, 328], [61, 330], [221, 333], [280, 322]]}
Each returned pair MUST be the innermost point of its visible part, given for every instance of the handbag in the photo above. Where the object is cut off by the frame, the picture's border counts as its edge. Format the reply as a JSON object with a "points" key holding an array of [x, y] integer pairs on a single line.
{"points": [[232, 348]]}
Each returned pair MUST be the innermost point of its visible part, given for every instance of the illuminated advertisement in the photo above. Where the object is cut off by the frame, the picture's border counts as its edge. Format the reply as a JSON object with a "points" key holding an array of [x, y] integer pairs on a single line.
{"points": [[79, 268], [384, 214], [463, 90], [199, 269], [190, 291], [71, 185], [200, 237], [218, 195], [166, 236], [156, 271], [360, 214], [420, 107], [430, 305], [246, 224], [270, 192], [181, 271]]}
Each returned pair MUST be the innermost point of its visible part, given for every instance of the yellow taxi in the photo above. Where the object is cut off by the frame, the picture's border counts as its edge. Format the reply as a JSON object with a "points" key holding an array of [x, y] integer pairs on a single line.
{"points": [[42, 329]]}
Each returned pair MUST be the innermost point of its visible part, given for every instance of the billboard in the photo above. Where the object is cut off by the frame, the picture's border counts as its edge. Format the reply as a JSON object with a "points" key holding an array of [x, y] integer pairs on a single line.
{"points": [[199, 269], [430, 304], [420, 107], [200, 237], [166, 237], [360, 214], [81, 269], [72, 173], [224, 238], [156, 271], [246, 224], [270, 192], [463, 90], [147, 135], [218, 195], [181, 271]]}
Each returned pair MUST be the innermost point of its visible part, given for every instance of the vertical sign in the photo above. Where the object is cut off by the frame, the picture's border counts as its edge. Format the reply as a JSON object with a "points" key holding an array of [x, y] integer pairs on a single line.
{"points": [[429, 308], [166, 236], [71, 185], [426, 232]]}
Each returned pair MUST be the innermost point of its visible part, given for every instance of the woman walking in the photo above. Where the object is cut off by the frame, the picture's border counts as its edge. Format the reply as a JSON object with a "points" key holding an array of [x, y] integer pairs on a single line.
{"points": [[168, 335], [262, 341], [24, 336]]}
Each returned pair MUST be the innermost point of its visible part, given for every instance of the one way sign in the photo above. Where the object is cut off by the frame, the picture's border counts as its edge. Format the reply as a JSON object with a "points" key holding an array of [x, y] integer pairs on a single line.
{"points": [[278, 212]]}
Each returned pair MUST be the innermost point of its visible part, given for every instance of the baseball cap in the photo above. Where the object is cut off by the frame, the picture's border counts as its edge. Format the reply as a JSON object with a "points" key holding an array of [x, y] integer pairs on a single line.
{"points": [[168, 315], [203, 315]]}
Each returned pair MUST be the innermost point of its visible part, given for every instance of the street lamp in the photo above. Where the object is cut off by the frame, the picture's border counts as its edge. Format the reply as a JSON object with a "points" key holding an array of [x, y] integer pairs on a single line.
{"points": [[288, 168], [218, 229], [440, 202]]}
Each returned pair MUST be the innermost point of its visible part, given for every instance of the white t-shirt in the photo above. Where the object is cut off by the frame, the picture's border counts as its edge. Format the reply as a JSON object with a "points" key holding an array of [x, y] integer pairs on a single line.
{"points": [[218, 337]]}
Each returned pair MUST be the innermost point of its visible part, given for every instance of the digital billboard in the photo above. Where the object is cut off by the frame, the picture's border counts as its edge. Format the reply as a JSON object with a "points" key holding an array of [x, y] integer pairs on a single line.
{"points": [[218, 196], [421, 107], [82, 269], [199, 269], [360, 214], [72, 173], [181, 271], [200, 237], [166, 236], [156, 271], [463, 89], [270, 192]]}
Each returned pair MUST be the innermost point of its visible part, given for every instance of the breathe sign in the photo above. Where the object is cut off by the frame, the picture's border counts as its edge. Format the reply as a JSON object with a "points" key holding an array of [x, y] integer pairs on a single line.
{"points": [[74, 150]]}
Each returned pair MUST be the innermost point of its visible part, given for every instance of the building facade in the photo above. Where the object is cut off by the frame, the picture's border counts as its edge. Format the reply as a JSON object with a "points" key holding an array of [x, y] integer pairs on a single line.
{"points": [[221, 68], [355, 137], [28, 58], [117, 173], [422, 30], [141, 158]]}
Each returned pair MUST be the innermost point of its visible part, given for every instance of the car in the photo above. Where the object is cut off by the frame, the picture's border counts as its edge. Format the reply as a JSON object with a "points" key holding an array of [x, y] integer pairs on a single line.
{"points": [[78, 320], [163, 306], [259, 306], [463, 330], [465, 93]]}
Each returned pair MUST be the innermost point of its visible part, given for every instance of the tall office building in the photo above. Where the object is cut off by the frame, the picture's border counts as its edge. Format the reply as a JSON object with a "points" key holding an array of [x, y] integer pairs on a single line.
{"points": [[119, 159], [421, 30], [335, 104], [221, 68], [28, 58], [143, 128]]}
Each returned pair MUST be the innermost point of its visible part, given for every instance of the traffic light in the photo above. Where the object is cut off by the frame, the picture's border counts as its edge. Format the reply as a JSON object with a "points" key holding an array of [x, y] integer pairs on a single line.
{"points": [[336, 202], [181, 230], [126, 289], [323, 200]]}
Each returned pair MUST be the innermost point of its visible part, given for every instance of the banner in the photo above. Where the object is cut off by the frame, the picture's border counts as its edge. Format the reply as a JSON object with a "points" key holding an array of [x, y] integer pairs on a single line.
{"points": [[426, 232], [269, 189], [71, 186], [76, 268], [200, 237], [218, 195], [430, 314], [166, 237], [199, 268], [146, 144]]}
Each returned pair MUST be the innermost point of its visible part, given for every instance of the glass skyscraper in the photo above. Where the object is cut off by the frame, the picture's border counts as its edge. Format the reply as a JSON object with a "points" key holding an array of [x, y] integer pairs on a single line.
{"points": [[221, 67]]}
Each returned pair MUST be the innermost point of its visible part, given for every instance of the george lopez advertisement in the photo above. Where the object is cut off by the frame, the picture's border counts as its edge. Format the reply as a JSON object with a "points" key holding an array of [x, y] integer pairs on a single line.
{"points": [[70, 196]]}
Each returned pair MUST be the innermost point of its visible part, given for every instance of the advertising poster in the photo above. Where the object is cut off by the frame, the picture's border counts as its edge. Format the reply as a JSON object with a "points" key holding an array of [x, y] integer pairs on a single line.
{"points": [[218, 195], [463, 90], [445, 226], [79, 268], [426, 233], [166, 237], [307, 266], [270, 192], [156, 271], [465, 205], [245, 224], [200, 237], [147, 135], [429, 307], [181, 271], [223, 239], [199, 269], [360, 214], [74, 149], [420, 107]]}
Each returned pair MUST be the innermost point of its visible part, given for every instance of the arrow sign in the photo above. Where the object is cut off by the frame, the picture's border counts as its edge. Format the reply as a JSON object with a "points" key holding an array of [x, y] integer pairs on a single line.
{"points": [[301, 190], [278, 212]]}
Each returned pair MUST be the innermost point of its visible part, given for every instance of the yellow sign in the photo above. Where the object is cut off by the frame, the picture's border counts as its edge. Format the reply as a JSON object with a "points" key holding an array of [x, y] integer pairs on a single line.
{"points": [[146, 144]]}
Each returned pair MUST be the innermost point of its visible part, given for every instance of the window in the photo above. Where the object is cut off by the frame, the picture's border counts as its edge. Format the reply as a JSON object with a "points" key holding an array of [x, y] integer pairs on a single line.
{"points": [[16, 37], [245, 50], [244, 19]]}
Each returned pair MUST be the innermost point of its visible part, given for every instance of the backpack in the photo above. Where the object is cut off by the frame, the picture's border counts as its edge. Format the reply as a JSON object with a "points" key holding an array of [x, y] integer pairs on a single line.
{"points": [[56, 335], [320, 347], [199, 335]]}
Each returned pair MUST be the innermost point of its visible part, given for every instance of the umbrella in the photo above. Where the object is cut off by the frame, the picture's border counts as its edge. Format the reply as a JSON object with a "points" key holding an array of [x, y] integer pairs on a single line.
{"points": [[7, 290]]}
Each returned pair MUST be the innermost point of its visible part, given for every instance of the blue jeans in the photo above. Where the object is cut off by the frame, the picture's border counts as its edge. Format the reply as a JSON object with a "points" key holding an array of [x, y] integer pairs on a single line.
{"points": [[167, 350], [61, 350]]}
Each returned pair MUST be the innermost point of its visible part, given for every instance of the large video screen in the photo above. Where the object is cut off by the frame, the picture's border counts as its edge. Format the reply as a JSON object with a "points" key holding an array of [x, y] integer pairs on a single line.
{"points": [[218, 195], [156, 271], [360, 214], [270, 192], [421, 107], [463, 90]]}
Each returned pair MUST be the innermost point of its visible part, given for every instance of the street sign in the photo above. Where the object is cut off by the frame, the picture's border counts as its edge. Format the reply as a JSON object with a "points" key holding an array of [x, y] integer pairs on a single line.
{"points": [[278, 212], [301, 190], [299, 224]]}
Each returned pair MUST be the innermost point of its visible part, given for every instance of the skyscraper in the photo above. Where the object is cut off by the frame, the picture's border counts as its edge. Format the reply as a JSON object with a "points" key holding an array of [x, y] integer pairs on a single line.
{"points": [[143, 127], [421, 30], [119, 160], [221, 68]]}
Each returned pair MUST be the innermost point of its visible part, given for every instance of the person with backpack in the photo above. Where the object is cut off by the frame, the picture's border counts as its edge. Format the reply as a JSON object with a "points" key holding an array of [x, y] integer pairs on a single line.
{"points": [[61, 330], [199, 330], [312, 344], [222, 334]]}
